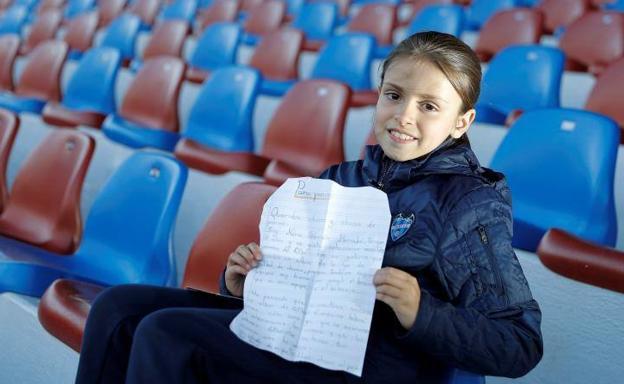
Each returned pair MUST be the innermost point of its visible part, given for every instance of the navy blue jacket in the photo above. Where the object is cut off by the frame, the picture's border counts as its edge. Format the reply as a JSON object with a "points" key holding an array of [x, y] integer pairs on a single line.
{"points": [[476, 310]]}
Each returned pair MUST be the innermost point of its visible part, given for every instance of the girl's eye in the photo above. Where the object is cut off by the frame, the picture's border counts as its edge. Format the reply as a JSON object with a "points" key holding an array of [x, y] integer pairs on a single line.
{"points": [[392, 96], [429, 107]]}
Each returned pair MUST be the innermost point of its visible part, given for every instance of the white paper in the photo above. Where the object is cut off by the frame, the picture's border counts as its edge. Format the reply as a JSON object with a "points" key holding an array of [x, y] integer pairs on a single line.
{"points": [[311, 297]]}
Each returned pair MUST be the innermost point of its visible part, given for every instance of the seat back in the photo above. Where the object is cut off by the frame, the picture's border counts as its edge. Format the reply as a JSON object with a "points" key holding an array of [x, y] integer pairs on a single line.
{"points": [[146, 10], [480, 11], [584, 40], [307, 127], [167, 39], [48, 5], [180, 10], [122, 34], [216, 47], [92, 85], [509, 27], [346, 58], [444, 18], [560, 165], [9, 44], [222, 115], [41, 78], [9, 124], [605, 97], [76, 7], [80, 31], [233, 222], [12, 19], [109, 10], [560, 13], [376, 19], [317, 20], [44, 28], [523, 77], [277, 54], [265, 17], [161, 79], [218, 11], [127, 235], [52, 219]]}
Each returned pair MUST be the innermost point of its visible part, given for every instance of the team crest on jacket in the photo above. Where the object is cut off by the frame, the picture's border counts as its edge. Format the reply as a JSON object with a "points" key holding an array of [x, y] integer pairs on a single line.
{"points": [[400, 225]]}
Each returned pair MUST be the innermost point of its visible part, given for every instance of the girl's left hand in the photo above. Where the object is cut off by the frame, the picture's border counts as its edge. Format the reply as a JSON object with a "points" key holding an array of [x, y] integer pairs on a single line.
{"points": [[400, 291]]}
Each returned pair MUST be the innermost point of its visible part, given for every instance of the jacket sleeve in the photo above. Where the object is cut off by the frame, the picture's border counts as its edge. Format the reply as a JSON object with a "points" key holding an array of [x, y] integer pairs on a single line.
{"points": [[489, 322]]}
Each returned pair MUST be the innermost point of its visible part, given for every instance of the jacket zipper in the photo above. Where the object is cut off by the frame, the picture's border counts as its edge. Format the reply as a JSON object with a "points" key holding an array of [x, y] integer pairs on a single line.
{"points": [[385, 167], [499, 281]]}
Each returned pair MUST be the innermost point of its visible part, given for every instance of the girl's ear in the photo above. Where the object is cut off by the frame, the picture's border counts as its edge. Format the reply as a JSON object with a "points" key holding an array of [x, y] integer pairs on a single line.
{"points": [[463, 123]]}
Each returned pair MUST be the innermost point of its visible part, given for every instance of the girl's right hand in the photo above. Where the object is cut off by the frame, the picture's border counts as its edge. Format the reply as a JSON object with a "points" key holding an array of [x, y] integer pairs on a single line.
{"points": [[239, 263]]}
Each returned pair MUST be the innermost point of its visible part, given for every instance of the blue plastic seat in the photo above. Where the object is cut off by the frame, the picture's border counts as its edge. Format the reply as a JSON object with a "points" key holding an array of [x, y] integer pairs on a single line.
{"points": [[179, 10], [441, 18], [520, 78], [222, 115], [457, 376], [127, 237], [122, 34], [560, 164], [77, 7], [317, 21], [480, 11], [12, 20], [216, 47], [90, 93]]}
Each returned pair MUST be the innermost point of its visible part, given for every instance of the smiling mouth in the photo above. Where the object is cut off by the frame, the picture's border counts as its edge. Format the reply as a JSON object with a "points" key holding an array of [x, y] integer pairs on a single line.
{"points": [[400, 137]]}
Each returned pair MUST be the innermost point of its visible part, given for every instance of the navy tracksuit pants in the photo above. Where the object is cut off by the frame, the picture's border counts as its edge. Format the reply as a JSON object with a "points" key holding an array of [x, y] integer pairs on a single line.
{"points": [[147, 334]]}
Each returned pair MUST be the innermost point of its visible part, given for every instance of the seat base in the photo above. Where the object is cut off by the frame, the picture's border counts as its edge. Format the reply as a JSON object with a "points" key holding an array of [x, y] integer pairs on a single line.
{"points": [[123, 131], [56, 114], [19, 104]]}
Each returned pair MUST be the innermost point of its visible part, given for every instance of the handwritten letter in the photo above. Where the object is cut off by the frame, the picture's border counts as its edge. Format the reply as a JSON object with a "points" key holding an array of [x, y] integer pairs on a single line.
{"points": [[311, 297]]}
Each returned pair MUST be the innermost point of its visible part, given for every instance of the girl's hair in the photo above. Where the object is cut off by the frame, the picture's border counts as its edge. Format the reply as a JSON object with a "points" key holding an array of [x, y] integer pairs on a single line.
{"points": [[452, 56]]}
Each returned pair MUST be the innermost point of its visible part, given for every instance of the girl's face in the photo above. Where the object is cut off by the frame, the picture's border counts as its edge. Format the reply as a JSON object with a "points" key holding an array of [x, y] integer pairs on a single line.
{"points": [[417, 110]]}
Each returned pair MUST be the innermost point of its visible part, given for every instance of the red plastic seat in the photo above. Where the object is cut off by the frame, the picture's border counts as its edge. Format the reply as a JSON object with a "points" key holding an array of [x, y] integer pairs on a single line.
{"points": [[560, 13], [65, 305], [41, 78], [50, 220], [249, 5], [9, 124], [218, 11], [581, 260], [377, 19], [146, 10], [586, 45], [80, 31], [304, 137], [167, 39], [265, 17], [4, 4], [49, 5], [508, 27], [606, 95], [109, 10], [277, 54], [44, 28], [9, 45]]}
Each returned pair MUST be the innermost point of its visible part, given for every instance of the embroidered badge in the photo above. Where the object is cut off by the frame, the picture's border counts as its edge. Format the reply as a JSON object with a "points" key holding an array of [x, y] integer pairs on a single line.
{"points": [[400, 225]]}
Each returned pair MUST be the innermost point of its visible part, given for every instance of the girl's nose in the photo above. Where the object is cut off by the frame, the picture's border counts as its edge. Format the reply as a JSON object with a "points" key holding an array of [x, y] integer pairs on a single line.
{"points": [[406, 114]]}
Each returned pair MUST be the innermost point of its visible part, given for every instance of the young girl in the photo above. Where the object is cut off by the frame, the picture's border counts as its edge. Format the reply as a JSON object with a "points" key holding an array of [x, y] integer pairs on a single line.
{"points": [[450, 293]]}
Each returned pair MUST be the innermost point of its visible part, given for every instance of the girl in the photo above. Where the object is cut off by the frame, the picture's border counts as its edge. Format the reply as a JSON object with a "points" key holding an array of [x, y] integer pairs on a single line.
{"points": [[450, 293]]}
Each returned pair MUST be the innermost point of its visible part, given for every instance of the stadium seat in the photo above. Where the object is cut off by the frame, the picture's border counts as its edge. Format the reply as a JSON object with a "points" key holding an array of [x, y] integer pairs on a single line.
{"points": [[586, 46], [80, 32], [220, 11], [416, 7], [127, 237], [277, 58], [605, 97], [292, 9], [614, 5], [44, 28], [480, 11], [303, 137], [317, 21], [90, 93], [44, 6], [216, 47], [179, 10], [245, 7], [520, 78], [77, 7], [65, 305], [446, 18], [49, 220], [149, 121], [348, 58], [344, 7], [13, 19], [40, 80], [109, 10], [9, 45], [581, 260], [558, 14], [4, 4], [146, 10], [9, 125], [264, 18], [167, 39], [378, 20], [508, 27], [560, 164], [122, 34]]}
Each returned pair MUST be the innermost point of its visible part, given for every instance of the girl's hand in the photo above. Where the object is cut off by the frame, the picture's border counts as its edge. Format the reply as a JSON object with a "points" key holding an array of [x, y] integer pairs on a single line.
{"points": [[239, 263], [400, 291]]}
